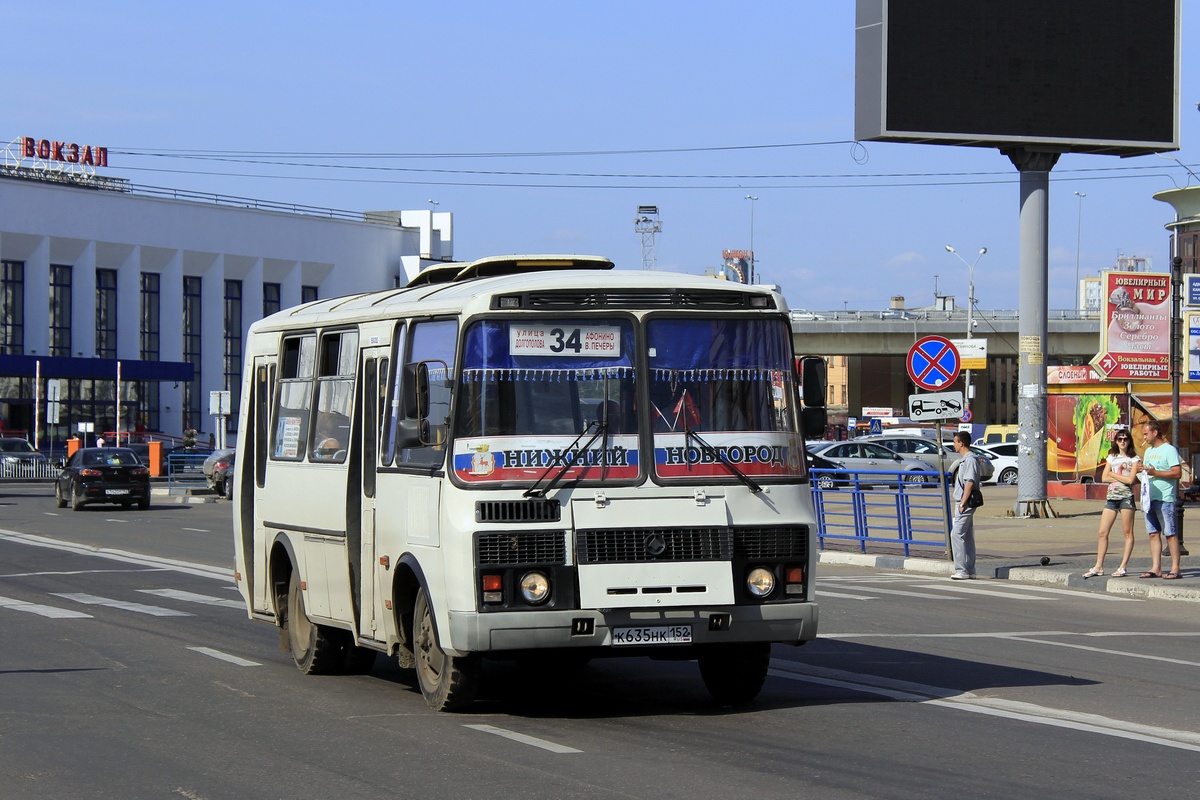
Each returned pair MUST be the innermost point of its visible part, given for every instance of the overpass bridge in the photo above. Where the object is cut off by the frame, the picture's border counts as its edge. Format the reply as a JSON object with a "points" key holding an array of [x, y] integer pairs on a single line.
{"points": [[875, 344]]}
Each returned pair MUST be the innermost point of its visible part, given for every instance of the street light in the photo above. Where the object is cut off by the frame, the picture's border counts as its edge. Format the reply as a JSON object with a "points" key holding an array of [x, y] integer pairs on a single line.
{"points": [[751, 198], [970, 304], [1078, 230]]}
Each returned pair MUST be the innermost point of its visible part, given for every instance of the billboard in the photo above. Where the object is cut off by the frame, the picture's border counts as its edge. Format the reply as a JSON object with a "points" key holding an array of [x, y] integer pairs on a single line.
{"points": [[1074, 75], [1135, 326]]}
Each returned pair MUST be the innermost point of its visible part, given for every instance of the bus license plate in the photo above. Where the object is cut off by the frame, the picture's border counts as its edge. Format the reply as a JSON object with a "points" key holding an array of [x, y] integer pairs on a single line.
{"points": [[653, 634], [116, 491]]}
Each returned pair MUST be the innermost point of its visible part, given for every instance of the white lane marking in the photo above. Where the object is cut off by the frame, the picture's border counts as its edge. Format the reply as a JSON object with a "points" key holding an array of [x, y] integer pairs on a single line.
{"points": [[186, 567], [50, 513], [1002, 586], [1144, 656], [197, 530], [191, 597], [41, 611], [824, 593], [208, 651], [967, 701], [73, 572], [124, 605], [905, 593], [111, 519], [1138, 633], [523, 739], [954, 587], [866, 578], [972, 635]]}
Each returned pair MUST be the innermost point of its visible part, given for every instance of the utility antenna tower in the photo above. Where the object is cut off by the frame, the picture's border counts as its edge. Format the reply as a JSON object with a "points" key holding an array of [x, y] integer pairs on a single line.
{"points": [[647, 224]]}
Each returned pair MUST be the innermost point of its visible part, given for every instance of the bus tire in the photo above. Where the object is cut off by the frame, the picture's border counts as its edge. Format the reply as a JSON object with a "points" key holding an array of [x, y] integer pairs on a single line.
{"points": [[316, 649], [735, 673], [448, 683]]}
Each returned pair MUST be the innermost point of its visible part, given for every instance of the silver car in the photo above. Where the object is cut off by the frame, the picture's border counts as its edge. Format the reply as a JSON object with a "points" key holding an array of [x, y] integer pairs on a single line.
{"points": [[857, 454], [918, 448]]}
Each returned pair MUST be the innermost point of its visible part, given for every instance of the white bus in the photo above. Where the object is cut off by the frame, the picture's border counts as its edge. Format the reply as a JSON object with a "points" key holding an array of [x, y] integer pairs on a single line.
{"points": [[533, 458]]}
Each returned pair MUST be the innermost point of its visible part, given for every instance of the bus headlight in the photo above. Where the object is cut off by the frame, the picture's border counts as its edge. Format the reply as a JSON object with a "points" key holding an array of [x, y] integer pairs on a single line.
{"points": [[535, 588], [760, 582]]}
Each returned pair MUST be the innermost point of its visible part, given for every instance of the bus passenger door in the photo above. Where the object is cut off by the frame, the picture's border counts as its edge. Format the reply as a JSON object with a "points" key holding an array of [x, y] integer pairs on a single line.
{"points": [[374, 382], [252, 468]]}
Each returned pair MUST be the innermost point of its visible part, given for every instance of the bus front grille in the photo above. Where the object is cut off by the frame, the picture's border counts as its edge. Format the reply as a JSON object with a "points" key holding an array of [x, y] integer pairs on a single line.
{"points": [[771, 543], [532, 510], [653, 544], [510, 548]]}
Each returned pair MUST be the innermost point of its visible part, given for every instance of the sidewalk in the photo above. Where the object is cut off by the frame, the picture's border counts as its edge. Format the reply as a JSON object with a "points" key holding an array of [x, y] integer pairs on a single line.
{"points": [[1011, 548]]}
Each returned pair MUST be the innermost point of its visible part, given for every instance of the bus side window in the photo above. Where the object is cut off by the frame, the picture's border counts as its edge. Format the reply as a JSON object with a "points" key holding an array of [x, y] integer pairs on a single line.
{"points": [[433, 342], [392, 407], [289, 439], [335, 396]]}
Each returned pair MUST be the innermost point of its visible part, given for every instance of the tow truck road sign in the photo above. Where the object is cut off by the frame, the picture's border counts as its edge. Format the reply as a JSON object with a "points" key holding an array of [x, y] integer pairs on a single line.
{"points": [[933, 363], [938, 405]]}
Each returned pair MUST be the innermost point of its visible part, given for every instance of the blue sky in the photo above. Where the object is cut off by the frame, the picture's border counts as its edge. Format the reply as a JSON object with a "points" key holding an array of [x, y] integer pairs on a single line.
{"points": [[714, 84]]}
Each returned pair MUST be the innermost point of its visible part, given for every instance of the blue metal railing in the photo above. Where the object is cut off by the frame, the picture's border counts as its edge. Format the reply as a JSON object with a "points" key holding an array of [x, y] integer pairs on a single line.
{"points": [[185, 470], [880, 506]]}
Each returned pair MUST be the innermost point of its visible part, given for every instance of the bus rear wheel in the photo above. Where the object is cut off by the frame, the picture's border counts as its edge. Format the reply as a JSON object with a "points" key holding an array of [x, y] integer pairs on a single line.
{"points": [[735, 673], [449, 683], [316, 649]]}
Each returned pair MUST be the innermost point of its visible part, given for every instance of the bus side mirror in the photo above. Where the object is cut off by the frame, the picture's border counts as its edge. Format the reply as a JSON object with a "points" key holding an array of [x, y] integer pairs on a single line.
{"points": [[412, 433], [811, 372], [416, 390]]}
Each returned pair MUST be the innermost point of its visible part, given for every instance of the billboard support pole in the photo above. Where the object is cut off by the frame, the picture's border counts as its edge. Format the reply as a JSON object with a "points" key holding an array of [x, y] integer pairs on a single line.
{"points": [[1034, 167]]}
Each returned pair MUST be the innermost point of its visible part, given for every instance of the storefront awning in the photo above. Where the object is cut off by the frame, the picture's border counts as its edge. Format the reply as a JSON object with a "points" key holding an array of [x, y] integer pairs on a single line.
{"points": [[1159, 406], [95, 368]]}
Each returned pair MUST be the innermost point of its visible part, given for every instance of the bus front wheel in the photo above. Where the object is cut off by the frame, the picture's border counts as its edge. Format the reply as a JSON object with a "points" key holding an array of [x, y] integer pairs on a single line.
{"points": [[316, 649], [735, 673], [449, 683]]}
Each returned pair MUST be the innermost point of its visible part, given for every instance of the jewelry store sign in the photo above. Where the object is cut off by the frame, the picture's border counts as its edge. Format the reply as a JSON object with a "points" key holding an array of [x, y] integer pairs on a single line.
{"points": [[1135, 329]]}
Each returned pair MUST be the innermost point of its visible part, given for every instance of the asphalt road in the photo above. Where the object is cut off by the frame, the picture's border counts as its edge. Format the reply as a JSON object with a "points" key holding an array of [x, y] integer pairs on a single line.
{"points": [[130, 670]]}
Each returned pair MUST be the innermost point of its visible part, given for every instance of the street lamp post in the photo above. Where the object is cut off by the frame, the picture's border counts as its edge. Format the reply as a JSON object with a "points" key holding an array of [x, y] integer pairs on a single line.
{"points": [[1078, 232], [751, 198], [970, 305]]}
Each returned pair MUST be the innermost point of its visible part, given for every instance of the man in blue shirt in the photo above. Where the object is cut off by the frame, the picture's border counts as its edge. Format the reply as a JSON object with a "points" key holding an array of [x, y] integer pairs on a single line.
{"points": [[962, 532], [1160, 465]]}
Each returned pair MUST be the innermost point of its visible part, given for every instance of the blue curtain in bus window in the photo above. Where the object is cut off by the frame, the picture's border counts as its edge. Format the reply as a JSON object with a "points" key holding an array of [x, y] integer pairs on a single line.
{"points": [[487, 355], [746, 349]]}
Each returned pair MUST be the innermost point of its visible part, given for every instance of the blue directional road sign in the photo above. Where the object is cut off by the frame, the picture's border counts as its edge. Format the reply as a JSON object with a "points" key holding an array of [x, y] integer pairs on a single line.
{"points": [[933, 363], [876, 425]]}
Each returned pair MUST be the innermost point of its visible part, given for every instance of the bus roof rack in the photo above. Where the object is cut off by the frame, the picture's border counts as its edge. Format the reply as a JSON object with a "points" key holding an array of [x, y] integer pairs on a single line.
{"points": [[495, 266]]}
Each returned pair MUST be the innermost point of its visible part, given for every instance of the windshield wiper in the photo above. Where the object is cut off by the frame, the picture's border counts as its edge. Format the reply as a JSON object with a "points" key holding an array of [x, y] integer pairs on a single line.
{"points": [[570, 458], [715, 454]]}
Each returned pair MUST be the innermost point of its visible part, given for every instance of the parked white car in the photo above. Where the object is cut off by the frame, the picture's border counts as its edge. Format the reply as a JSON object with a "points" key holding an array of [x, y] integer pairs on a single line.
{"points": [[1005, 461]]}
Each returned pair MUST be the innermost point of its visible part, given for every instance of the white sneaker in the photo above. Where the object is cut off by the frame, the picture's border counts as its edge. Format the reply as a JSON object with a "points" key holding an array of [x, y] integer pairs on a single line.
{"points": [[960, 576]]}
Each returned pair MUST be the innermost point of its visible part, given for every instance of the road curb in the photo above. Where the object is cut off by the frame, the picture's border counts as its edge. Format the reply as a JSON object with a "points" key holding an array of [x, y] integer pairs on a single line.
{"points": [[1059, 576]]}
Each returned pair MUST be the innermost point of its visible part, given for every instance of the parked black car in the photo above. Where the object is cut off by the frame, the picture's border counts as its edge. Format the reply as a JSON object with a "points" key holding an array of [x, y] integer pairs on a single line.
{"points": [[103, 475], [18, 459], [222, 479]]}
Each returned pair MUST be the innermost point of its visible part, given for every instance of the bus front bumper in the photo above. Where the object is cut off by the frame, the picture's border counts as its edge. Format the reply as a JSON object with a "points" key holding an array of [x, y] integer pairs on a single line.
{"points": [[787, 623]]}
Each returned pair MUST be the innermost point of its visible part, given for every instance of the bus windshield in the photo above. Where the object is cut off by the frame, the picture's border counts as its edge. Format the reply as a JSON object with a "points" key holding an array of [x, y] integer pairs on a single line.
{"points": [[730, 381], [529, 391]]}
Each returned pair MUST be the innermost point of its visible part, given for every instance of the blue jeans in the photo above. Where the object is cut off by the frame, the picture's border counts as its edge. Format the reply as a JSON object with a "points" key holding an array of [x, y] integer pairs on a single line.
{"points": [[1161, 518]]}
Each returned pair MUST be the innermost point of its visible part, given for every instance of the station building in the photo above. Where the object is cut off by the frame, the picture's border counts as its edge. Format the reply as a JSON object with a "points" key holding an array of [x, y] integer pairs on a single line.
{"points": [[104, 284]]}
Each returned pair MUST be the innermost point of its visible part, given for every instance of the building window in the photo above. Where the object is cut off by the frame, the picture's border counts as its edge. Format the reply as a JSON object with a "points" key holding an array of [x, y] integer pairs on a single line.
{"points": [[233, 350], [60, 309], [148, 333], [308, 294], [193, 336], [12, 308], [271, 303], [106, 313]]}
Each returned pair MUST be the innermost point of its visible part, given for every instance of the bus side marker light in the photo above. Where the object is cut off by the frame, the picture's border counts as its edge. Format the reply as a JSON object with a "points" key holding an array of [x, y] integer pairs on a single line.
{"points": [[384, 561], [304, 586]]}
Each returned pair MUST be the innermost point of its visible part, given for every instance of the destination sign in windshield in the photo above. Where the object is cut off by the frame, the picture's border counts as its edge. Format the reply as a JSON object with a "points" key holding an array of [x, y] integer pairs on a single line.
{"points": [[543, 340]]}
